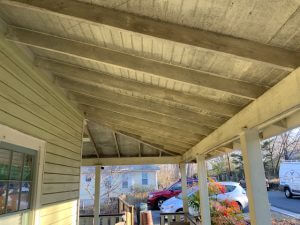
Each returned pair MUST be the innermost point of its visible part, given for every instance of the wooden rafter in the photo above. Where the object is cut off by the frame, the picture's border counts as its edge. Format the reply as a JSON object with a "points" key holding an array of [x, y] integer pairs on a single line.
{"points": [[132, 161], [145, 115], [84, 95], [118, 118], [93, 142], [150, 145], [221, 109], [116, 144], [211, 41], [286, 105], [140, 149], [149, 136], [123, 60], [84, 75]]}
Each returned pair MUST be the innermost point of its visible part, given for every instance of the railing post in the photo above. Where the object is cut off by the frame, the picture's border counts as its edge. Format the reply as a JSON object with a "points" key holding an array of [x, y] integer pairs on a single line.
{"points": [[97, 195], [203, 190], [255, 178], [182, 167], [132, 215]]}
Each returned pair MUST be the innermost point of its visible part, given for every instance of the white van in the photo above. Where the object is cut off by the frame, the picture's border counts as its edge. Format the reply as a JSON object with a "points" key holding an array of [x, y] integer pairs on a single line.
{"points": [[289, 175]]}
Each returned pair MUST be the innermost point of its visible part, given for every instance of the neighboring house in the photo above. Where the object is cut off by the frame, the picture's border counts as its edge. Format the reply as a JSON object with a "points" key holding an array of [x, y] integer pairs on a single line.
{"points": [[117, 180]]}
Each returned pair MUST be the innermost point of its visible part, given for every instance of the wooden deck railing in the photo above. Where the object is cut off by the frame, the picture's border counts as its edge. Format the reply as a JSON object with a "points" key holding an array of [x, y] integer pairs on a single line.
{"points": [[167, 218], [105, 219], [124, 207], [125, 213]]}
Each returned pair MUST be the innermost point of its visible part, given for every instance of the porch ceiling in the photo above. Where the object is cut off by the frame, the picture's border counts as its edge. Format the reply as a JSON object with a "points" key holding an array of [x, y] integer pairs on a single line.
{"points": [[154, 78]]}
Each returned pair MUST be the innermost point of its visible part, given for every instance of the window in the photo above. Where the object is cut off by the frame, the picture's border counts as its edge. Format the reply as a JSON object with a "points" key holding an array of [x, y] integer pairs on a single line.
{"points": [[144, 178], [16, 176], [175, 187], [124, 181], [230, 188]]}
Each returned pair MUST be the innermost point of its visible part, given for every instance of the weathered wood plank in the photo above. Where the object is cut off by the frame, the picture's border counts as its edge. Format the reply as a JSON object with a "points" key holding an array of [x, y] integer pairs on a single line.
{"points": [[144, 115], [54, 93], [58, 150], [57, 217], [53, 188], [57, 197], [220, 43], [97, 54], [279, 102], [61, 160], [221, 109], [52, 209], [132, 161], [11, 98], [36, 94], [82, 94], [122, 126], [119, 119], [19, 124], [59, 169], [165, 70], [61, 178]]}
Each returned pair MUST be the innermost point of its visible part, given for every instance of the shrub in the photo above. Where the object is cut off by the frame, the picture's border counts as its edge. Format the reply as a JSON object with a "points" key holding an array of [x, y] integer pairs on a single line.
{"points": [[222, 213]]}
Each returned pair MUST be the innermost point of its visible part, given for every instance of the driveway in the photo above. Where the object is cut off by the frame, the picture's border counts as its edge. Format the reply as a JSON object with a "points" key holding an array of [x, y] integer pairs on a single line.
{"points": [[277, 199]]}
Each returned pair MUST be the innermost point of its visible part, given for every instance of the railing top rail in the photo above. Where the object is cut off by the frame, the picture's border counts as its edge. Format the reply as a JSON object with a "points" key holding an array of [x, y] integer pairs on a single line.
{"points": [[122, 200], [103, 215], [176, 213]]}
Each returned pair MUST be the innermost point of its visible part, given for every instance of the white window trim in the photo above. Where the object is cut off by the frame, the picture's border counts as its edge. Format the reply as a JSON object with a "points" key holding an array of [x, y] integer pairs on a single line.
{"points": [[15, 137]]}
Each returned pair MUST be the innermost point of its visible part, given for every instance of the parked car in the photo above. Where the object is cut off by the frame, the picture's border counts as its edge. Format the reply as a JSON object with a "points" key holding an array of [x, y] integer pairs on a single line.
{"points": [[289, 176], [234, 192], [155, 199]]}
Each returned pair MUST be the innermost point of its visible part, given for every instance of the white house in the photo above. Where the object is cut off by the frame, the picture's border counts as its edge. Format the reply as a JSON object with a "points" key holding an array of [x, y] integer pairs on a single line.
{"points": [[117, 180]]}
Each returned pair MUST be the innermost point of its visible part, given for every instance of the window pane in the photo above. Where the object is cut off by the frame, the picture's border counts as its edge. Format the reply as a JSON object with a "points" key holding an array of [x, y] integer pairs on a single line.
{"points": [[13, 196], [4, 164], [25, 196], [16, 167], [229, 188], [176, 187], [3, 186], [27, 170]]}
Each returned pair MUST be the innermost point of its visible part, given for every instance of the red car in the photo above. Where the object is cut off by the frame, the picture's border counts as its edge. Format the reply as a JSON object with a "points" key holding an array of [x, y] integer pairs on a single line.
{"points": [[155, 199]]}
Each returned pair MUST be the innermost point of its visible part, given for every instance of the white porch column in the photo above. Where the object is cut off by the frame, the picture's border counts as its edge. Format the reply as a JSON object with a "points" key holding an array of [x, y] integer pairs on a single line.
{"points": [[97, 195], [203, 190], [255, 178], [182, 167]]}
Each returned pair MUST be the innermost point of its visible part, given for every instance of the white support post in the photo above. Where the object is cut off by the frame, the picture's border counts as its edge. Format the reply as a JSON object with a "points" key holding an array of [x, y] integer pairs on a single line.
{"points": [[203, 190], [97, 195], [255, 178], [182, 167]]}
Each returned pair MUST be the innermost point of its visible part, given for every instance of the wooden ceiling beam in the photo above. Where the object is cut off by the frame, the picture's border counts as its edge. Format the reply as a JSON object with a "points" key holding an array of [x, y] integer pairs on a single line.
{"points": [[216, 42], [116, 144], [280, 102], [145, 115], [132, 161], [91, 112], [124, 60], [83, 92], [93, 142], [150, 138], [151, 145], [118, 125], [83, 75], [88, 88]]}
